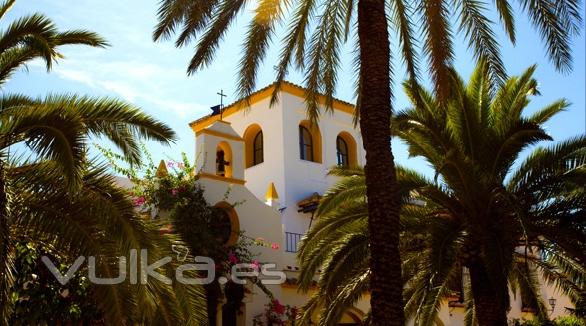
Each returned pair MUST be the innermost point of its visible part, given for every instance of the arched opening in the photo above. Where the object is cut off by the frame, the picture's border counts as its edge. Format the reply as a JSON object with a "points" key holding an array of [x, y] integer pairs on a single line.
{"points": [[346, 151], [224, 160], [254, 145], [227, 224], [309, 142]]}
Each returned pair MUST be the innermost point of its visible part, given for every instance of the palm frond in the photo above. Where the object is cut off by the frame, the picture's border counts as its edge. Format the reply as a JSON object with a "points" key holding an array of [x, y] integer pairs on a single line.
{"points": [[507, 19], [58, 128], [482, 40], [293, 44], [5, 7], [258, 37], [214, 33], [438, 44], [555, 30]]}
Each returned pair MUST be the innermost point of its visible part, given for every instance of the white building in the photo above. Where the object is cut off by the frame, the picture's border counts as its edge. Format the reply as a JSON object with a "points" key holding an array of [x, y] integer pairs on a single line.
{"points": [[275, 161]]}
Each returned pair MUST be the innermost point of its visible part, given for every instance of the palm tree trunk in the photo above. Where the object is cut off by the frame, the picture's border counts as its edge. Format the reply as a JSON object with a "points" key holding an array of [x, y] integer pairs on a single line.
{"points": [[4, 268], [383, 201], [490, 309]]}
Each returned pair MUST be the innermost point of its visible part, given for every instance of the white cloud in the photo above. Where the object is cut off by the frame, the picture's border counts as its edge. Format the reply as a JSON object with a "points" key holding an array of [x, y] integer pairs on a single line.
{"points": [[134, 81], [181, 109], [120, 88], [77, 76]]}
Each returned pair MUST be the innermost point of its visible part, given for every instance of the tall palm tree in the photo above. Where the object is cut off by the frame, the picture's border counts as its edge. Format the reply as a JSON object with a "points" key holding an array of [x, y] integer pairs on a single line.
{"points": [[512, 224], [313, 42], [473, 143], [58, 197]]}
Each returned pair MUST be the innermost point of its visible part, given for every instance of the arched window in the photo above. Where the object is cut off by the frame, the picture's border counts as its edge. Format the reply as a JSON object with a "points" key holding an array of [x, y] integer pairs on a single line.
{"points": [[305, 144], [257, 149], [226, 225], [342, 148], [346, 150], [309, 142], [253, 145]]}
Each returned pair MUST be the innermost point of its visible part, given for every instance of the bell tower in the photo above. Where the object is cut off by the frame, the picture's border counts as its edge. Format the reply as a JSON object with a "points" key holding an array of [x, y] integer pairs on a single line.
{"points": [[220, 153]]}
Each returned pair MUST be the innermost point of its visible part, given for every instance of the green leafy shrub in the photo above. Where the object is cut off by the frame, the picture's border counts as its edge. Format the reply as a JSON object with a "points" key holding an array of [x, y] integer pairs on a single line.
{"points": [[38, 298]]}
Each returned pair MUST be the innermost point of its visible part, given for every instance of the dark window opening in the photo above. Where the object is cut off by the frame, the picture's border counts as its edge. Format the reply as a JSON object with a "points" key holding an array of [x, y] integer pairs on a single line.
{"points": [[221, 163], [305, 144], [257, 149], [342, 148]]}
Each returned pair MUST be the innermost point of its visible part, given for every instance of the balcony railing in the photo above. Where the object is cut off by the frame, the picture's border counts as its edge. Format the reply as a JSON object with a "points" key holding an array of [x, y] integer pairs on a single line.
{"points": [[292, 241]]}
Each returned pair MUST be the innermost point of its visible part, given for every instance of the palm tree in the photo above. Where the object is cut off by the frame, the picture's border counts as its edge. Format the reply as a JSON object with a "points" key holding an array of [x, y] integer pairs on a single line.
{"points": [[58, 197], [337, 247], [100, 220], [531, 218], [313, 43], [473, 144]]}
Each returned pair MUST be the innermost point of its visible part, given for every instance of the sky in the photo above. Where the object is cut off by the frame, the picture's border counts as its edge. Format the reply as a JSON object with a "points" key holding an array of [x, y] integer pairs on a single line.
{"points": [[153, 75]]}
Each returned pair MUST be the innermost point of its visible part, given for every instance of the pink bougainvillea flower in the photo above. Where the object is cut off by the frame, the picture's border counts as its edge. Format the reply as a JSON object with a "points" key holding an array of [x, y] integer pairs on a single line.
{"points": [[275, 246], [232, 258], [139, 201], [255, 265], [278, 307]]}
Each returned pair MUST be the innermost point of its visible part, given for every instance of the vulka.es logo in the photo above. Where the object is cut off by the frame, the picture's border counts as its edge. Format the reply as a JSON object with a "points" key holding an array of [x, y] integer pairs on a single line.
{"points": [[137, 269]]}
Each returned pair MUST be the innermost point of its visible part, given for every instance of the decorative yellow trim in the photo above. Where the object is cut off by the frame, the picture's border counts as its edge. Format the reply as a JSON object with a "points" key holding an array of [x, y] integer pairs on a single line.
{"points": [[218, 134], [271, 192], [162, 170], [219, 178], [267, 92]]}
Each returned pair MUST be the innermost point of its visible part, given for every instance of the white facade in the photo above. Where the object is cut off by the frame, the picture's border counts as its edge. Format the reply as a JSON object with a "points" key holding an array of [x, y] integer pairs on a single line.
{"points": [[294, 179]]}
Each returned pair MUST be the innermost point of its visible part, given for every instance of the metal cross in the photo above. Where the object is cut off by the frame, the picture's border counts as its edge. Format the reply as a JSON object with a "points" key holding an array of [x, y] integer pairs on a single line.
{"points": [[222, 95]]}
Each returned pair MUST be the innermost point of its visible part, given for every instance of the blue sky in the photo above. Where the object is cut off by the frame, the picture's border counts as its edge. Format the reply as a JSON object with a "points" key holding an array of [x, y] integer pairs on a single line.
{"points": [[152, 75]]}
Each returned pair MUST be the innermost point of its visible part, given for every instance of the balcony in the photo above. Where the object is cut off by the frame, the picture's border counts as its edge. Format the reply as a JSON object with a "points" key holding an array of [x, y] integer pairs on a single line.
{"points": [[292, 241]]}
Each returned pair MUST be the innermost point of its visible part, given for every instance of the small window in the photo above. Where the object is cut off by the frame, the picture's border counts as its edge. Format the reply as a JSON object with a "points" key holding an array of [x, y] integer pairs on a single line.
{"points": [[342, 148], [305, 144], [257, 149]]}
